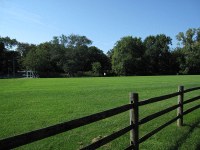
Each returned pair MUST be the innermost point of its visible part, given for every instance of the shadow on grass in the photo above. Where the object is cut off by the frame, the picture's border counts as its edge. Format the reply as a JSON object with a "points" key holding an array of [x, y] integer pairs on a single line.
{"points": [[187, 135]]}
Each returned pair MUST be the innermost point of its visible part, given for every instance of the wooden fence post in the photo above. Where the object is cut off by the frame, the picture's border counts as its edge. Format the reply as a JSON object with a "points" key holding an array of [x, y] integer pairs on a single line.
{"points": [[180, 108], [134, 117]]}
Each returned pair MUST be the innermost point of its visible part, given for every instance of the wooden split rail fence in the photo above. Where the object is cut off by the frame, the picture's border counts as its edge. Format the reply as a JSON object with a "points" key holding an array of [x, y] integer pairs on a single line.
{"points": [[133, 128]]}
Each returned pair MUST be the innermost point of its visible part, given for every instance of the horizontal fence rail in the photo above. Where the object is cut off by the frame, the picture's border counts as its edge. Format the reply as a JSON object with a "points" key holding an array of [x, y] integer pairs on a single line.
{"points": [[133, 128], [158, 114], [191, 89], [157, 99], [191, 109], [158, 129], [191, 100]]}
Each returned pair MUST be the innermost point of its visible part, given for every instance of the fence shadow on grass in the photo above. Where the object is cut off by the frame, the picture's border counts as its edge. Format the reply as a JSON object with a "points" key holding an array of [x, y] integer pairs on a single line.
{"points": [[187, 135]]}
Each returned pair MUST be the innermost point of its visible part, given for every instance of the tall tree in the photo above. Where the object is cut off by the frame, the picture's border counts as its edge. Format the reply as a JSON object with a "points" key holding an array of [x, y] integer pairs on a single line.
{"points": [[71, 41], [8, 57], [127, 56], [157, 54], [30, 61], [97, 55], [39, 60], [76, 60], [96, 68], [77, 40], [190, 48], [23, 49], [2, 58]]}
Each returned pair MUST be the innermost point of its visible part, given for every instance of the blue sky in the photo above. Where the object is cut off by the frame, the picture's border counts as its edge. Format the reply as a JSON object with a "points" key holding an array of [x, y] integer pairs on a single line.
{"points": [[102, 21]]}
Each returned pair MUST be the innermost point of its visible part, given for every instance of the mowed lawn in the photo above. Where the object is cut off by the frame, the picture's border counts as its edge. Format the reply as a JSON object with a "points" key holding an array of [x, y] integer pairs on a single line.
{"points": [[29, 104]]}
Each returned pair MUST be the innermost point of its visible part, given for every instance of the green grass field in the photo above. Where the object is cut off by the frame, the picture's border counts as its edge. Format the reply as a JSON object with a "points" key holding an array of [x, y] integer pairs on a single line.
{"points": [[29, 104]]}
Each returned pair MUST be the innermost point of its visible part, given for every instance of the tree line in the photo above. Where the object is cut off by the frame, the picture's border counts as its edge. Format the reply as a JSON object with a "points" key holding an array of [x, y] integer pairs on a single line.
{"points": [[62, 56], [73, 55]]}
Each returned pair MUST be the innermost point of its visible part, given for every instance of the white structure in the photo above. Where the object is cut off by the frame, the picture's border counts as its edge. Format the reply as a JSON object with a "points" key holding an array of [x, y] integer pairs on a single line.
{"points": [[28, 74]]}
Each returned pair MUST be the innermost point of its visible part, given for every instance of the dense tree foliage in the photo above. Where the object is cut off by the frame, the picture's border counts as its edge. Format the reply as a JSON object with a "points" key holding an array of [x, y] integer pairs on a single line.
{"points": [[73, 55], [96, 68], [69, 55], [157, 54], [8, 58], [189, 50], [127, 56]]}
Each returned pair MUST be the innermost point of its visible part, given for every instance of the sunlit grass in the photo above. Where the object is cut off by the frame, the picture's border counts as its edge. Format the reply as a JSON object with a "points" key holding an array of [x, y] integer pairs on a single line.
{"points": [[29, 104]]}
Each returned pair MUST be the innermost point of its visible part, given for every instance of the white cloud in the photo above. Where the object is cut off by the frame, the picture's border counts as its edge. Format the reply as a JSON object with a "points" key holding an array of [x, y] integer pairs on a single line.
{"points": [[22, 15], [12, 12]]}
